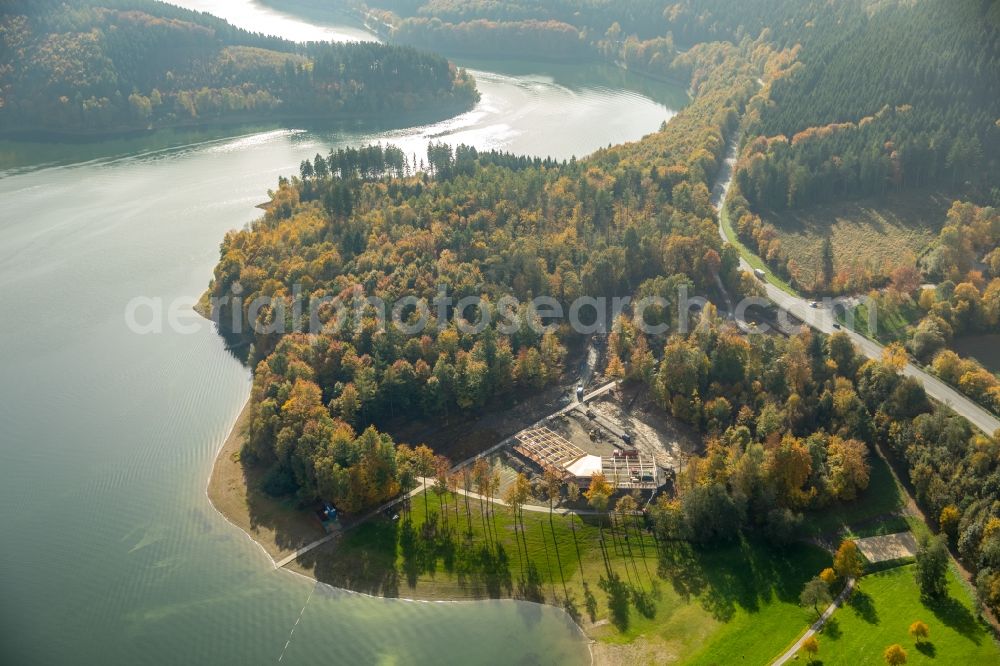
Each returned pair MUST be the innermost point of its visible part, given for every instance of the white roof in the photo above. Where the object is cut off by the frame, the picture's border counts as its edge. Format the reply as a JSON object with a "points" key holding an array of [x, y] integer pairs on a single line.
{"points": [[585, 466]]}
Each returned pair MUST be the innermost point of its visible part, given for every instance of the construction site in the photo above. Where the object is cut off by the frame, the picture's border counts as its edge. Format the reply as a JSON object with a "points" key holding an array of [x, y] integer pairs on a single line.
{"points": [[614, 431]]}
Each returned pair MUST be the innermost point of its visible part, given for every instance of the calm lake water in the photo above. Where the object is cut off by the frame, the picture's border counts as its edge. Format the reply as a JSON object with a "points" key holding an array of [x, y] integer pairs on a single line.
{"points": [[112, 553], [984, 348]]}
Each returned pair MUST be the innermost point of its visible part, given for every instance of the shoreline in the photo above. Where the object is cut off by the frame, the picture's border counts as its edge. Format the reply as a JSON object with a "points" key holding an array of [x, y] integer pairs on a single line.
{"points": [[387, 120], [221, 479], [209, 491], [279, 530]]}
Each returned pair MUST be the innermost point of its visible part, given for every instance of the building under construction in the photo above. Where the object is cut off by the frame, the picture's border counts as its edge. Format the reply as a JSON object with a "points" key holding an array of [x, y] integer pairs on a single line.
{"points": [[625, 470]]}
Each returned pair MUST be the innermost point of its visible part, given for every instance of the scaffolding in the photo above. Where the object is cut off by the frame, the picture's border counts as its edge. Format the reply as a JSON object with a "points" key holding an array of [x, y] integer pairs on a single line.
{"points": [[630, 471], [548, 450], [626, 470]]}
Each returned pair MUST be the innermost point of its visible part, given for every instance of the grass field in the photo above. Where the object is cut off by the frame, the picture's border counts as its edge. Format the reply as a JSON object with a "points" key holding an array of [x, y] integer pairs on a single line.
{"points": [[869, 233], [881, 509], [713, 604], [881, 611], [891, 323]]}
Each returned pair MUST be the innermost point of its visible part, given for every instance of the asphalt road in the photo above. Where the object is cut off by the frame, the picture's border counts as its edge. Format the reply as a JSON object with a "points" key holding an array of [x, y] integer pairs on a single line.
{"points": [[822, 319]]}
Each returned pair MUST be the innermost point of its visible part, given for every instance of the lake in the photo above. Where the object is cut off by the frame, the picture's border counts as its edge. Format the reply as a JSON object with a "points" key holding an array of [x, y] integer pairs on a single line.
{"points": [[113, 553], [985, 348]]}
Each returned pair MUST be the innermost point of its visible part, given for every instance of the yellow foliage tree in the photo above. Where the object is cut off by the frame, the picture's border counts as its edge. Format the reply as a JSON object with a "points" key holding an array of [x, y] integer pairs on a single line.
{"points": [[810, 646], [894, 655], [949, 520], [895, 356], [847, 561], [849, 471], [919, 631], [615, 369]]}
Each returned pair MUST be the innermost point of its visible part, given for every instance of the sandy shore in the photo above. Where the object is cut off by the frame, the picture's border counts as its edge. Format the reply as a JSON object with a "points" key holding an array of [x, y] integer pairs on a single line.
{"points": [[277, 525]]}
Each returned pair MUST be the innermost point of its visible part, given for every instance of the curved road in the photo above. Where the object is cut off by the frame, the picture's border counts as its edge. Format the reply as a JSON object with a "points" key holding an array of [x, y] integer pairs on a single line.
{"points": [[822, 319]]}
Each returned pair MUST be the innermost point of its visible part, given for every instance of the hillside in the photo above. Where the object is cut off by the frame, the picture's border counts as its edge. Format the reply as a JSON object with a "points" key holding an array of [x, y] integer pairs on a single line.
{"points": [[107, 66]]}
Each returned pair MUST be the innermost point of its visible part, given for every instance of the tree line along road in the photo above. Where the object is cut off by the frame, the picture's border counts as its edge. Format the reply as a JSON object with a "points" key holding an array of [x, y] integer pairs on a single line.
{"points": [[822, 319]]}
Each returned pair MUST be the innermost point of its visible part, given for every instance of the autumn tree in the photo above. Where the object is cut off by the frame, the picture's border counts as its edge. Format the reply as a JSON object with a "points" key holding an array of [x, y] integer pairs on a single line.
{"points": [[811, 647], [348, 403], [405, 474], [552, 487], [847, 466], [788, 467], [466, 481], [481, 478], [494, 488], [919, 631], [423, 467], [948, 521], [625, 507], [599, 494], [442, 473], [894, 655], [847, 562], [894, 356], [515, 496], [615, 368], [842, 353]]}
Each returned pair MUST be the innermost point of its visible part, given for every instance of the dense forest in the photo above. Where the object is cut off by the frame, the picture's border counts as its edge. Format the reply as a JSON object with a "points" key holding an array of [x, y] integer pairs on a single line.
{"points": [[884, 95], [826, 110], [877, 97], [911, 103], [791, 428], [113, 65], [633, 219], [954, 293], [607, 23]]}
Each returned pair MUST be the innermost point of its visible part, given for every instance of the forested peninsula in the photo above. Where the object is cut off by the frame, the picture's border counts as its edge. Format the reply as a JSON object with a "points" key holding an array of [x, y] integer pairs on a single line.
{"points": [[793, 427], [112, 66]]}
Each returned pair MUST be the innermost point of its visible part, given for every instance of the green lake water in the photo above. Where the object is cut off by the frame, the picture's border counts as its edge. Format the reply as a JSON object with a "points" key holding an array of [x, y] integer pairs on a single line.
{"points": [[112, 553]]}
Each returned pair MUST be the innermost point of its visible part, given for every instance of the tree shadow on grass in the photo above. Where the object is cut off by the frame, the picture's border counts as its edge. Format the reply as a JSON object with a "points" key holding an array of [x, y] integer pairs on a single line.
{"points": [[679, 565], [531, 588], [618, 595], [380, 555], [953, 614], [863, 606], [590, 601], [832, 629], [366, 563], [926, 648], [569, 605], [644, 602], [744, 574]]}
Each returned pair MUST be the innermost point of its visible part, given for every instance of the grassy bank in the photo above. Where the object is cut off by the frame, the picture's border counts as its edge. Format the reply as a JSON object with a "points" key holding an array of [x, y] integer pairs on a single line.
{"points": [[880, 510], [642, 601], [655, 602], [750, 257], [881, 611]]}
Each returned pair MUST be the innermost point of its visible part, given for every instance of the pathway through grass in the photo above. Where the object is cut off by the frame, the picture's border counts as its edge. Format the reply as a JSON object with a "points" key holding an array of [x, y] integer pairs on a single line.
{"points": [[881, 611]]}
